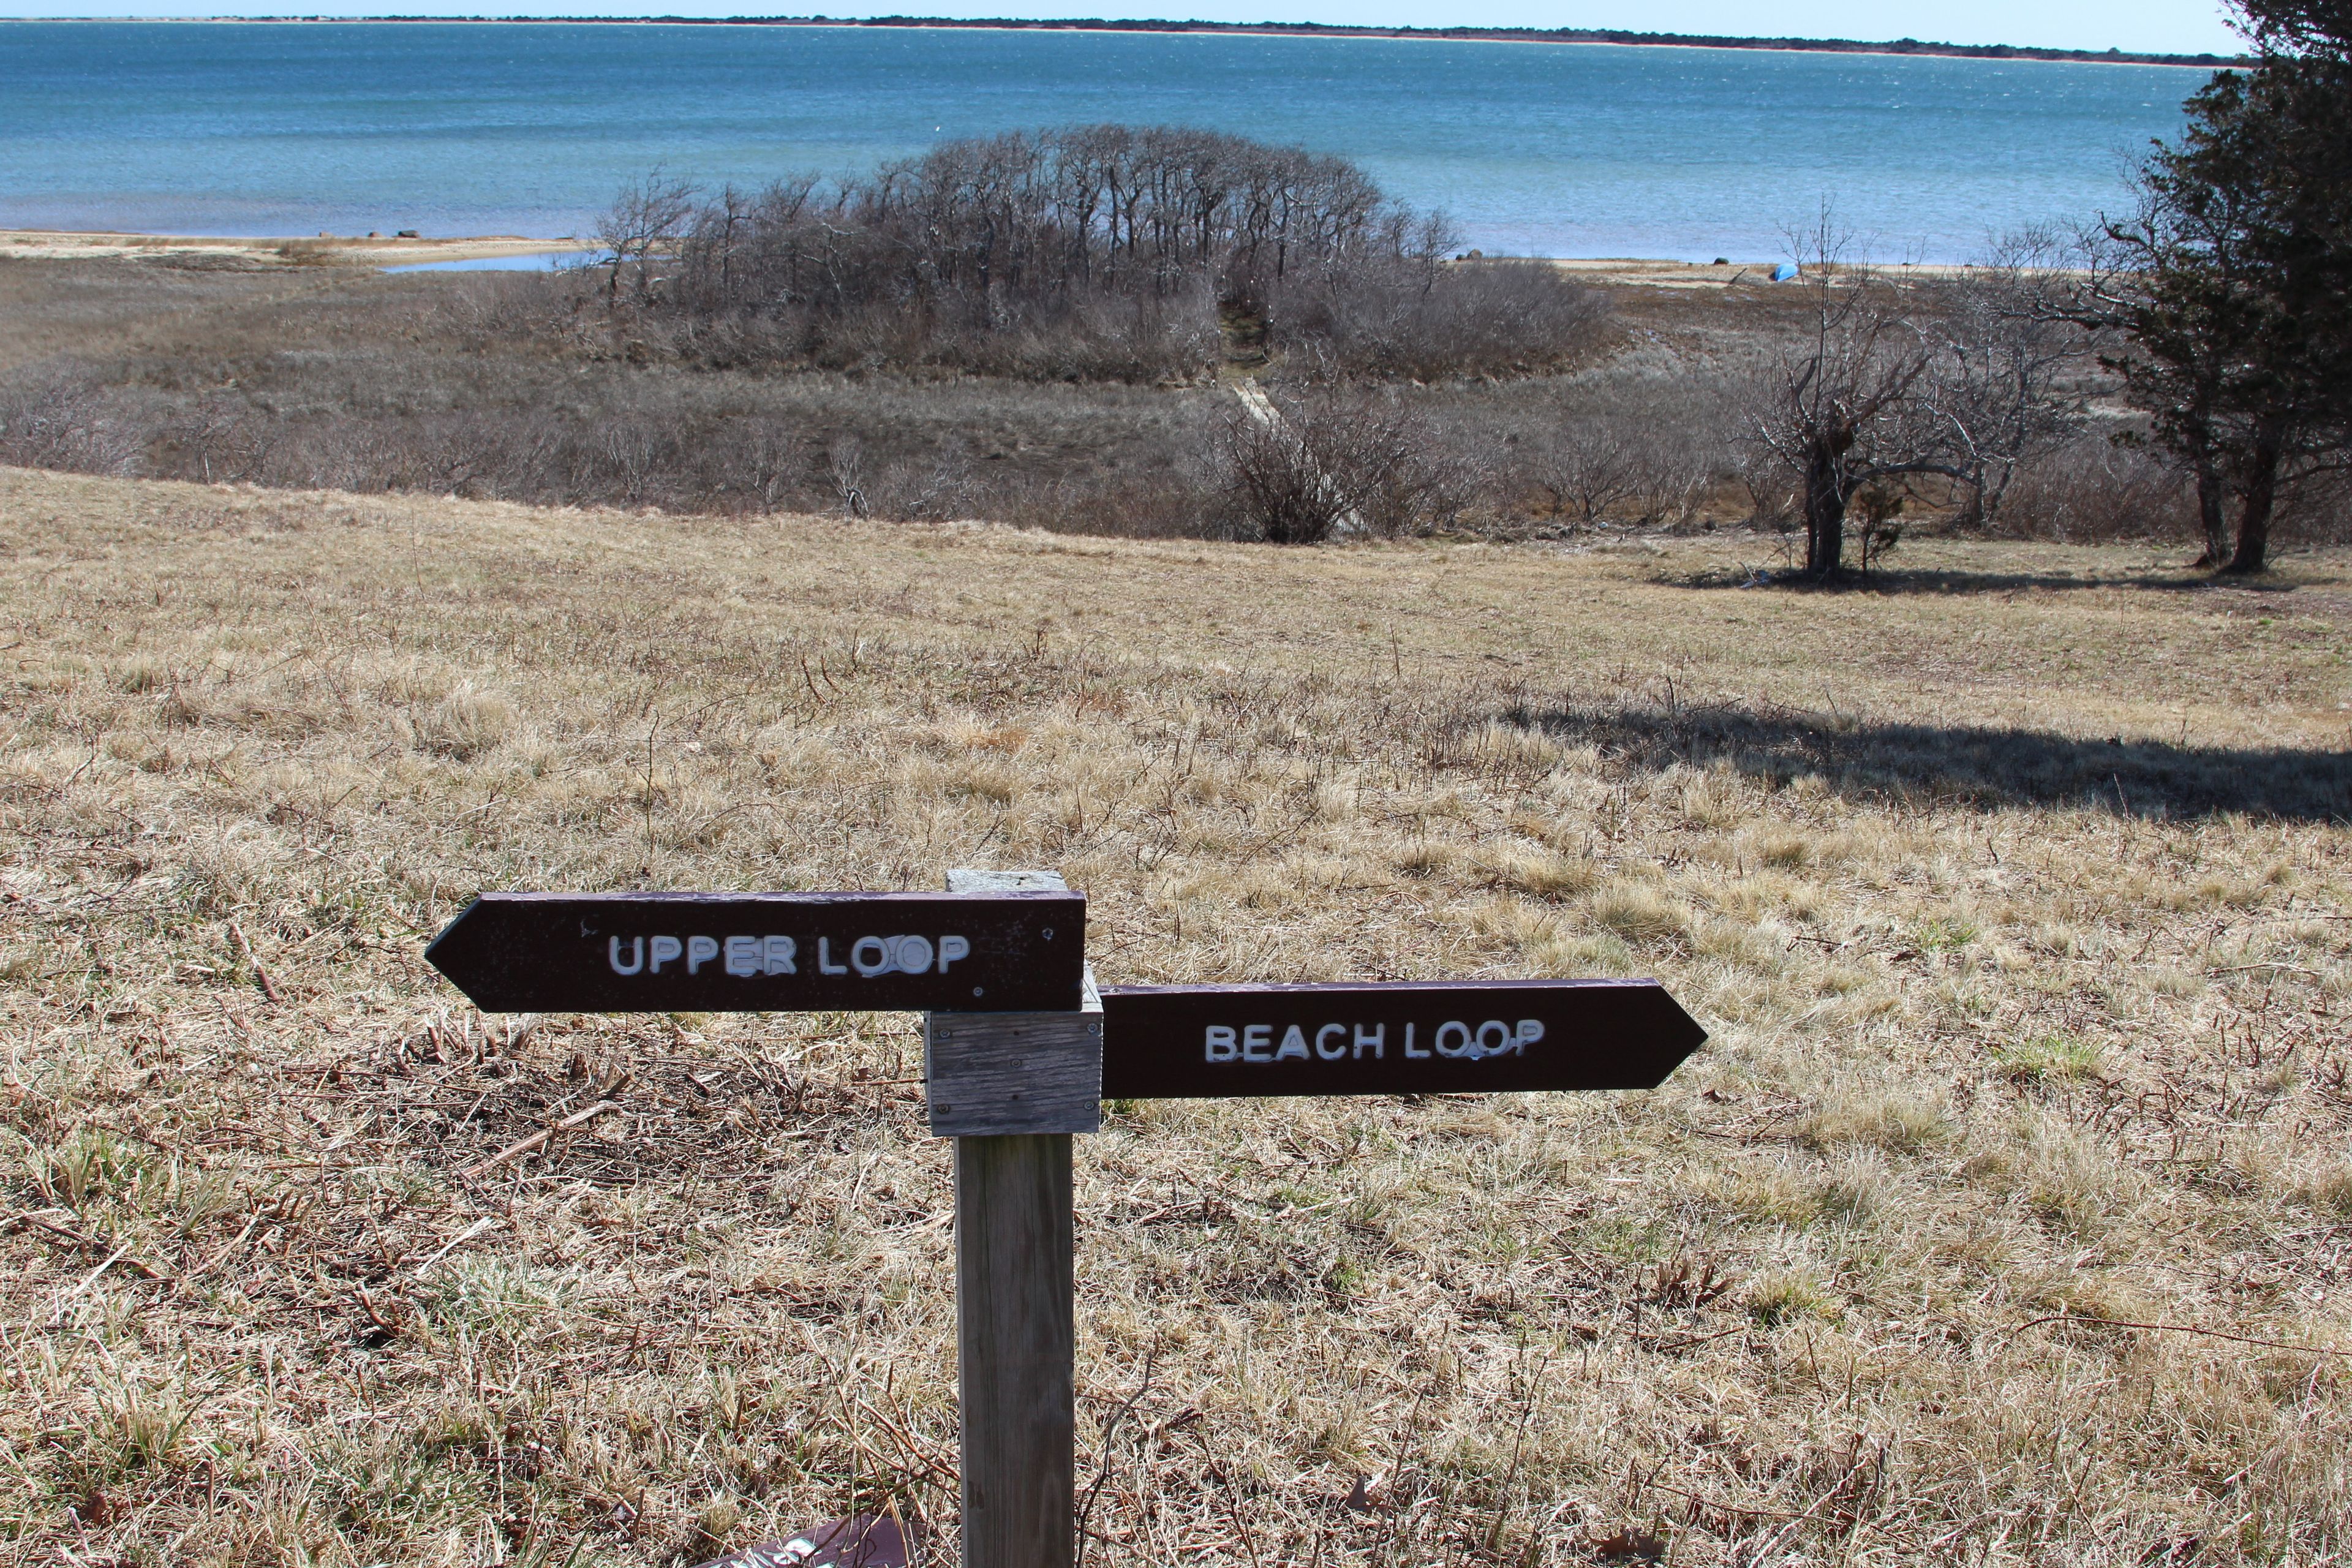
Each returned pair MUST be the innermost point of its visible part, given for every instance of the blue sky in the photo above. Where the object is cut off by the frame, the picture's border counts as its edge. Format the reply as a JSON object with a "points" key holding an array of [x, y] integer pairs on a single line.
{"points": [[2179, 25]]}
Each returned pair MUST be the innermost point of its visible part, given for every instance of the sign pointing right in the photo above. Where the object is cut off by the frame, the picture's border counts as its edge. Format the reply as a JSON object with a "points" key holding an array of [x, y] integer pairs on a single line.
{"points": [[1219, 1042]]}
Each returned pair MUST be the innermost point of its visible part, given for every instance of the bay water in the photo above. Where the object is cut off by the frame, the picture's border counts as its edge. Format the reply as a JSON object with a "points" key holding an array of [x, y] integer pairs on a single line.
{"points": [[246, 128]]}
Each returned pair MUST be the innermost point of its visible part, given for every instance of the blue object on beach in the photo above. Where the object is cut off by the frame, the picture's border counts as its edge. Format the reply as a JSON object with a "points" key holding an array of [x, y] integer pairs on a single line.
{"points": [[1782, 273]]}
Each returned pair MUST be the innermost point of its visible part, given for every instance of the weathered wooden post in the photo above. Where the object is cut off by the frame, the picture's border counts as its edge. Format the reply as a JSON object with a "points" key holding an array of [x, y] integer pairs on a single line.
{"points": [[1011, 1089]]}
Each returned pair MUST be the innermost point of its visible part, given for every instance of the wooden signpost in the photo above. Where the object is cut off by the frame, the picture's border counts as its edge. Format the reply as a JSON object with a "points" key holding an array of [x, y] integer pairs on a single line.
{"points": [[1020, 1052]]}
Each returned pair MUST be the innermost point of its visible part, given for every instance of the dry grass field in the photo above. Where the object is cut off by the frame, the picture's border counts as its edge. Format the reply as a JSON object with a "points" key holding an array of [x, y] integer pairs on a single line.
{"points": [[2007, 1219]]}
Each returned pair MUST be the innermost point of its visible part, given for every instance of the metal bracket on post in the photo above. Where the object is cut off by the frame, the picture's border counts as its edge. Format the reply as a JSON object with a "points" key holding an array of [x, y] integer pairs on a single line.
{"points": [[1010, 1088]]}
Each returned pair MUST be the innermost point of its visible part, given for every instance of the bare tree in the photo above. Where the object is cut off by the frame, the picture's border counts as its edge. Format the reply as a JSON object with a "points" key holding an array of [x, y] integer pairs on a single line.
{"points": [[1850, 405], [2008, 368], [845, 460], [647, 218]]}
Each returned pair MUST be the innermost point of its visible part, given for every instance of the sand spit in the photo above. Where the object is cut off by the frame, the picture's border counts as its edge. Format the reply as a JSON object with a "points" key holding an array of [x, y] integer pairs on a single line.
{"points": [[251, 251]]}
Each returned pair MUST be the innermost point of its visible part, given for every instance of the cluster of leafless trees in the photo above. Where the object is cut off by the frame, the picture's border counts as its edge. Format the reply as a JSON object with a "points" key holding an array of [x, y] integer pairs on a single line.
{"points": [[1900, 390], [1096, 252]]}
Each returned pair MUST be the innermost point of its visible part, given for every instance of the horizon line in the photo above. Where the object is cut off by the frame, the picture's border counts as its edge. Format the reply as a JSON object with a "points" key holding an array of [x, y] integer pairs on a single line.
{"points": [[1603, 35]]}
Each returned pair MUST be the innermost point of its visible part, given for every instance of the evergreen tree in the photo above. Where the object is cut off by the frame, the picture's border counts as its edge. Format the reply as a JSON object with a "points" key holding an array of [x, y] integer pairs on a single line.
{"points": [[2239, 304]]}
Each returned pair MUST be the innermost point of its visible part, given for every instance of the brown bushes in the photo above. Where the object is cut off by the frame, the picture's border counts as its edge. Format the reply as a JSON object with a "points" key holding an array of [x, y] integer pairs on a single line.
{"points": [[1497, 318], [61, 420], [1299, 466], [2094, 489], [1096, 252]]}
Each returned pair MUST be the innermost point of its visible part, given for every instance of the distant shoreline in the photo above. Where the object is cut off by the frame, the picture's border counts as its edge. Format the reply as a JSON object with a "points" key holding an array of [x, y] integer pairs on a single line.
{"points": [[409, 253], [1910, 46]]}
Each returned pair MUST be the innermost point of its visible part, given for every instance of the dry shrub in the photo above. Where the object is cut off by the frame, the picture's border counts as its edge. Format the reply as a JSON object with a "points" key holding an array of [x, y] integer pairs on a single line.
{"points": [[1300, 466], [2096, 490], [70, 422], [1630, 442], [307, 253], [1085, 250], [1495, 318]]}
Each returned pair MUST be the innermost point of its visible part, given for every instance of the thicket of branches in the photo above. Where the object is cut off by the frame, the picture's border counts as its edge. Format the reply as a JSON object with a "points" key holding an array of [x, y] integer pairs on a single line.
{"points": [[1094, 252], [1894, 395]]}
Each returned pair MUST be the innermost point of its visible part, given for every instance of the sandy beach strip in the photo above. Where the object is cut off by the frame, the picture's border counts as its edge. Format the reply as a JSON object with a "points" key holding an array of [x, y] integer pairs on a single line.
{"points": [[283, 250], [376, 251]]}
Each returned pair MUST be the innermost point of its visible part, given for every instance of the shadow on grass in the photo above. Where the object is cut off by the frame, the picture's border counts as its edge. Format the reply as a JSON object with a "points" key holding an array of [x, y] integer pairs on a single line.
{"points": [[1924, 579], [1970, 765]]}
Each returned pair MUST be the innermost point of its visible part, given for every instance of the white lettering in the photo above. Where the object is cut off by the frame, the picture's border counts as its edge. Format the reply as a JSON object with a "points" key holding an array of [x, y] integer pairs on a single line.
{"points": [[743, 955], [1417, 1056], [825, 964], [1254, 1040], [1294, 1046], [1530, 1031], [1503, 1039], [1221, 1047], [1462, 1031], [951, 949], [1378, 1039], [636, 956], [699, 951], [665, 949], [776, 955], [869, 967], [1331, 1053], [914, 954]]}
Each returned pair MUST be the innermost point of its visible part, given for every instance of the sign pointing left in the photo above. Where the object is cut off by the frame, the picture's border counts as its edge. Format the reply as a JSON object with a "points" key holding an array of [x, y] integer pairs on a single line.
{"points": [[762, 953]]}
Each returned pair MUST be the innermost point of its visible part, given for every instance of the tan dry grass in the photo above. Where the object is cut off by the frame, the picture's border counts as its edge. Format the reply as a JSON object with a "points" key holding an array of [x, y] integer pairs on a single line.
{"points": [[1985, 1051]]}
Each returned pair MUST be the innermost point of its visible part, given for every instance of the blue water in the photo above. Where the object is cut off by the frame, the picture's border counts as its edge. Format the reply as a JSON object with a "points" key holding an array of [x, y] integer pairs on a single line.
{"points": [[1577, 149], [542, 262]]}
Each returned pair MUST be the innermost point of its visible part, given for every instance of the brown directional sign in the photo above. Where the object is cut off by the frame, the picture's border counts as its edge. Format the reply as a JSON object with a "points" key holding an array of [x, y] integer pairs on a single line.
{"points": [[762, 953], [1218, 1042]]}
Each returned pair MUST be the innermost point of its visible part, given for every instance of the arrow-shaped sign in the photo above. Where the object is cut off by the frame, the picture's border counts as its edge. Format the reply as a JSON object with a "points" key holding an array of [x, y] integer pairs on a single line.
{"points": [[761, 952], [1219, 1042]]}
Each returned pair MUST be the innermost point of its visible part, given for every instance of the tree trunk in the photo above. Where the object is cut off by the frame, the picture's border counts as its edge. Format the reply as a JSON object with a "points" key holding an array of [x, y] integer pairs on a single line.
{"points": [[1825, 517], [2212, 494], [2259, 498], [2209, 516]]}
